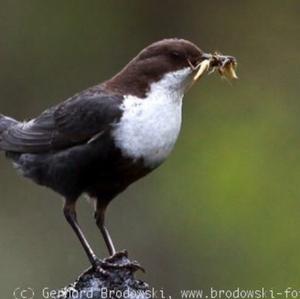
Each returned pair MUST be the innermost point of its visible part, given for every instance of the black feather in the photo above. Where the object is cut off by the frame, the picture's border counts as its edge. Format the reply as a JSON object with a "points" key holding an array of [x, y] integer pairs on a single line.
{"points": [[70, 123]]}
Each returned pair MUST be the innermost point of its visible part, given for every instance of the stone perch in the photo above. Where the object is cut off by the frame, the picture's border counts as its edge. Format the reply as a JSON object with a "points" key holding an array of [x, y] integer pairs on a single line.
{"points": [[112, 279]]}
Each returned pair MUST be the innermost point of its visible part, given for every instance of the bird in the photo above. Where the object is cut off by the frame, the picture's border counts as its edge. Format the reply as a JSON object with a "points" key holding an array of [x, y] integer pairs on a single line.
{"points": [[103, 139]]}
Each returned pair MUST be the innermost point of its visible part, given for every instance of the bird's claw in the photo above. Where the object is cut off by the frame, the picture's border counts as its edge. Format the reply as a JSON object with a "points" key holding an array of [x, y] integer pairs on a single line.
{"points": [[120, 261], [97, 267], [130, 265], [123, 254]]}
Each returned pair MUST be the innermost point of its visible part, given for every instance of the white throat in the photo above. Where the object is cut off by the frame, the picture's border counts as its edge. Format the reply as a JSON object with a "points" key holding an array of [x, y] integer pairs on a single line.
{"points": [[150, 126]]}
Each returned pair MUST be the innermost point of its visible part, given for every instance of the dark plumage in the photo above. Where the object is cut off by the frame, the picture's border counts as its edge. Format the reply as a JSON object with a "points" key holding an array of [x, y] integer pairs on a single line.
{"points": [[68, 147], [71, 147]]}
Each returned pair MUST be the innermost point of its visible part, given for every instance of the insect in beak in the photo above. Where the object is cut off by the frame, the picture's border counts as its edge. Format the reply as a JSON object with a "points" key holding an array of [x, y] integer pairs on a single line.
{"points": [[228, 67], [202, 68], [225, 65]]}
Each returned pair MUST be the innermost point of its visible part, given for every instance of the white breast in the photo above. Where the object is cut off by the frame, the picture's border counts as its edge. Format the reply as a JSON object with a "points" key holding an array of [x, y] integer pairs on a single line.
{"points": [[150, 126]]}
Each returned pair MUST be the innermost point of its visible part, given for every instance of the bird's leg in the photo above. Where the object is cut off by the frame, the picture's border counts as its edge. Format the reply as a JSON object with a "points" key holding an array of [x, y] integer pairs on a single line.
{"points": [[117, 260], [100, 221], [70, 215]]}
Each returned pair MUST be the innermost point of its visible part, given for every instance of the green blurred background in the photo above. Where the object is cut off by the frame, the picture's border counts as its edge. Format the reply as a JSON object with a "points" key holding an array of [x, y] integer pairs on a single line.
{"points": [[223, 211]]}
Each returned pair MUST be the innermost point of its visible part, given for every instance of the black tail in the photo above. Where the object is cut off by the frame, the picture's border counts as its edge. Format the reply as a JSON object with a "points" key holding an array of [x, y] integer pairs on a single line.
{"points": [[5, 122]]}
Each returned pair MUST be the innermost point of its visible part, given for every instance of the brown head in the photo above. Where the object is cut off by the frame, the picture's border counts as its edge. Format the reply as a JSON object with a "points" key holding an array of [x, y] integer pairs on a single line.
{"points": [[152, 63]]}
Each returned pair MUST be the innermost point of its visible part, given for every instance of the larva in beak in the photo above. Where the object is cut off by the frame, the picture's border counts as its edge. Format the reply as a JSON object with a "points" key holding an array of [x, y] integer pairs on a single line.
{"points": [[228, 71], [203, 67], [224, 64]]}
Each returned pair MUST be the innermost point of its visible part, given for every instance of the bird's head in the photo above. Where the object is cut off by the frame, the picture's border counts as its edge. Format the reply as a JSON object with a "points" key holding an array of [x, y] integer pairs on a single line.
{"points": [[176, 61]]}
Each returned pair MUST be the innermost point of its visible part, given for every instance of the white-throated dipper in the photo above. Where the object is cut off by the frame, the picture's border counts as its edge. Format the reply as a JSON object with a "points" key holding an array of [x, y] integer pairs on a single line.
{"points": [[108, 136]]}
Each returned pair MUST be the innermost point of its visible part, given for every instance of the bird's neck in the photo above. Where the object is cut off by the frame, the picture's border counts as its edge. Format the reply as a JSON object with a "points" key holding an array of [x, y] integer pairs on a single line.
{"points": [[136, 82]]}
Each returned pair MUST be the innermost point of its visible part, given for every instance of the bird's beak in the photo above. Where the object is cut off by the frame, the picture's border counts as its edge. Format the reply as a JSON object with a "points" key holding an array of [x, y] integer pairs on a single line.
{"points": [[206, 56], [226, 66]]}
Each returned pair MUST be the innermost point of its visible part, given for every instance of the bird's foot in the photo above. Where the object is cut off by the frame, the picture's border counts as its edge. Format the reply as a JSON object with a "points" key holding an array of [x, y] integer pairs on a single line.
{"points": [[96, 267], [118, 255], [118, 261]]}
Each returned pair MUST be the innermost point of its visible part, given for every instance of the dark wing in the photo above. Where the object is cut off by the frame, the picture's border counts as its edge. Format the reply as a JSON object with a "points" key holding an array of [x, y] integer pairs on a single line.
{"points": [[75, 121]]}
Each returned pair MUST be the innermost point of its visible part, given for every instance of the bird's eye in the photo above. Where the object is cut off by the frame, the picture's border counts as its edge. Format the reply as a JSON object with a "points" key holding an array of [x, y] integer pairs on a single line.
{"points": [[176, 54]]}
